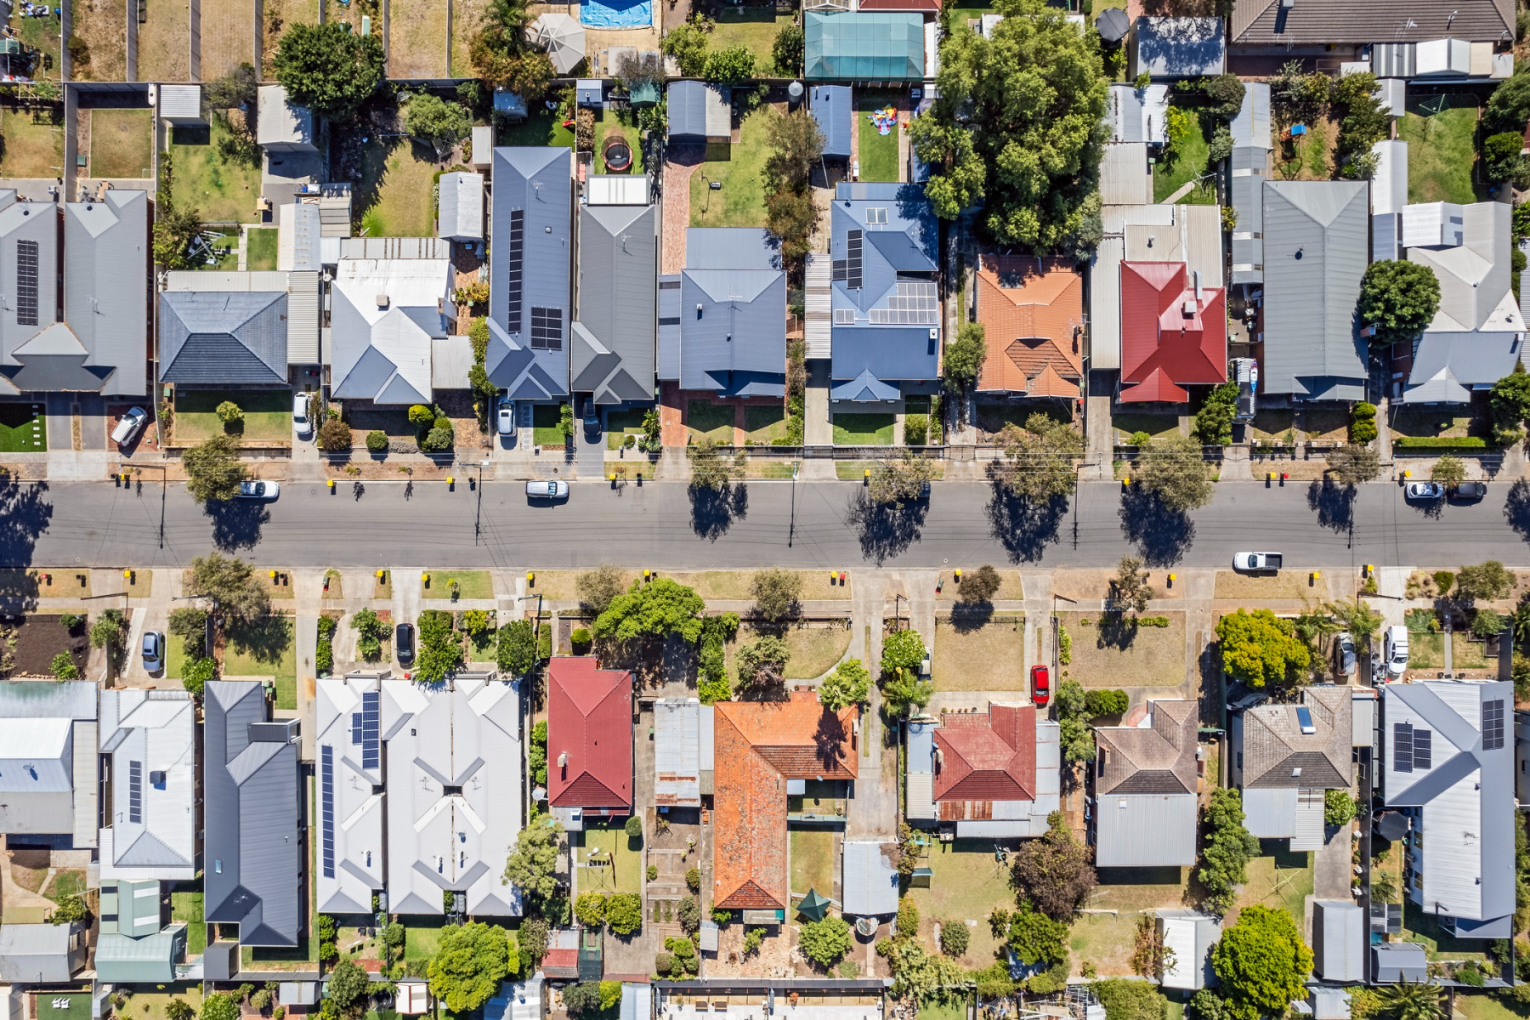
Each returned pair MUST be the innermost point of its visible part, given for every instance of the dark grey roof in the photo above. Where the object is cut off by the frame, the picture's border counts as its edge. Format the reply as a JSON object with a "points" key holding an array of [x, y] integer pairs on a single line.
{"points": [[1249, 165], [38, 224], [1316, 248], [1266, 22], [253, 845], [1180, 47], [1394, 962], [890, 354], [612, 353], [732, 313], [698, 111], [832, 110], [106, 290], [215, 338], [1448, 366], [535, 181]]}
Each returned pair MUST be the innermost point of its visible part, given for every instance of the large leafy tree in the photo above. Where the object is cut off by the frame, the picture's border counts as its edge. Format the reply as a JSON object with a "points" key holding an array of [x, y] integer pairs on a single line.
{"points": [[220, 1006], [762, 662], [1039, 459], [1173, 469], [652, 610], [213, 471], [1413, 1000], [468, 968], [900, 481], [1509, 400], [348, 983], [232, 582], [1227, 850], [1036, 938], [437, 122], [329, 68], [825, 942], [849, 684], [1262, 961], [1399, 298], [776, 594], [964, 357], [1018, 123], [1054, 872], [1258, 649], [1486, 581], [504, 58], [1509, 106], [531, 866], [1354, 464], [918, 974]]}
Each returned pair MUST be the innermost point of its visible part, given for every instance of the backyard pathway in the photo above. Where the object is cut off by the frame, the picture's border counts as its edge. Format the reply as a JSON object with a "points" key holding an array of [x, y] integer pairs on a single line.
{"points": [[680, 163]]}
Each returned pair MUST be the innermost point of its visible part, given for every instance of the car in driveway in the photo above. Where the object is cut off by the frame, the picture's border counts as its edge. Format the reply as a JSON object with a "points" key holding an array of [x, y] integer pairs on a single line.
{"points": [[1424, 491], [1041, 685], [153, 651], [300, 421], [129, 425], [591, 416], [541, 489], [1344, 654], [403, 643], [259, 490], [504, 417], [1469, 491]]}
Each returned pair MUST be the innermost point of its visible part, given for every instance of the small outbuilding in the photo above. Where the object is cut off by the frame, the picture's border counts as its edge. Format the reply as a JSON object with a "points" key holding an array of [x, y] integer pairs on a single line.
{"points": [[460, 211], [282, 125], [869, 882], [831, 108], [1173, 48], [590, 92], [700, 112], [181, 105]]}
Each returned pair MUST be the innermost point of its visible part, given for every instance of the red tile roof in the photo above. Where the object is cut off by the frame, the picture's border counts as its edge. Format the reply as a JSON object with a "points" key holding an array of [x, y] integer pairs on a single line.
{"points": [[1164, 347], [757, 747], [987, 757], [932, 6], [589, 720]]}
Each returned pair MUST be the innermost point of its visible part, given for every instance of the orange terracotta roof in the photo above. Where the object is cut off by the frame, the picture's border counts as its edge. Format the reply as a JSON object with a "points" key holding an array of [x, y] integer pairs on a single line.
{"points": [[987, 757], [1032, 311], [757, 747]]}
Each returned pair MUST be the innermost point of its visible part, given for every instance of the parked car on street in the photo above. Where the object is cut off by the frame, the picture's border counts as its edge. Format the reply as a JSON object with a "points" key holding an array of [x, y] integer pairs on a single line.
{"points": [[403, 643], [1256, 562], [259, 490], [1041, 685], [153, 651], [128, 426], [504, 418], [1468, 490], [1424, 491], [300, 421], [539, 489]]}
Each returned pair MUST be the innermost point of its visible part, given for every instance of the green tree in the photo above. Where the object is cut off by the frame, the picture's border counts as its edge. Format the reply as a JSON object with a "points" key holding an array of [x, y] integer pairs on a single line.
{"points": [[906, 926], [590, 909], [70, 909], [980, 586], [688, 45], [1448, 471], [1224, 95], [237, 89], [787, 50], [1213, 422], [1226, 851], [1338, 807], [517, 648], [965, 356], [213, 471], [762, 662], [179, 1009], [902, 650], [597, 589], [63, 668], [175, 228], [220, 1006], [438, 123], [792, 218], [654, 610], [1036, 938], [1353, 464], [109, 632], [825, 942], [904, 691], [954, 938], [582, 998], [1414, 1000], [230, 414], [239, 594], [1099, 703], [917, 974], [370, 632], [1032, 99], [1509, 400], [849, 684], [729, 66], [347, 983], [1262, 961], [197, 673], [624, 913], [776, 594], [1258, 649], [1509, 106], [328, 68], [190, 625], [1399, 298], [503, 57], [1125, 999], [1054, 872], [1485, 581], [532, 864], [1502, 159], [1173, 469], [1039, 459], [904, 480], [468, 967], [709, 468], [1130, 589]]}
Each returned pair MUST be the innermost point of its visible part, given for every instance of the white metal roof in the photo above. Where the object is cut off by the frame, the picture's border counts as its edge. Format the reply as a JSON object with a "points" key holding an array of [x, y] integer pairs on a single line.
{"points": [[150, 736], [1389, 188], [460, 212], [348, 820], [617, 189], [677, 752], [869, 881]]}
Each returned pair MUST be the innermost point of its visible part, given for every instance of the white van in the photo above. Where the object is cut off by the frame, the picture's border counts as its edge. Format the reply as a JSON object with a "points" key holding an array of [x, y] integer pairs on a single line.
{"points": [[1395, 653]]}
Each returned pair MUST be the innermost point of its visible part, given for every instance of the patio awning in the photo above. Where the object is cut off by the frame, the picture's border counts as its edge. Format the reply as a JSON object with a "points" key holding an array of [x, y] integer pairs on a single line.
{"points": [[813, 906]]}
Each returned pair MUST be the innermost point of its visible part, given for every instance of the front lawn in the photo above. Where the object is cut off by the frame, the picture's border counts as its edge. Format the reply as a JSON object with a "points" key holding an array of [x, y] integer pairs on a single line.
{"points": [[1109, 652], [222, 189], [23, 428], [860, 429], [762, 425], [264, 648], [1184, 164], [1441, 134], [1427, 651], [33, 142], [814, 649], [741, 200], [754, 27], [812, 852], [397, 178], [121, 143], [471, 584], [544, 425], [260, 249], [620, 425], [878, 153], [267, 415], [609, 843], [705, 418], [1153, 424], [977, 653]]}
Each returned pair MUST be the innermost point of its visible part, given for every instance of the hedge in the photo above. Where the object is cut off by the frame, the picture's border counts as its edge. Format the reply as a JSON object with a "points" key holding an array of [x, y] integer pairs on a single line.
{"points": [[1440, 443]]}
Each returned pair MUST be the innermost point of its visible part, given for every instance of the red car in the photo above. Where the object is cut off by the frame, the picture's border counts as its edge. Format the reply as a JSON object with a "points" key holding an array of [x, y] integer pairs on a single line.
{"points": [[1041, 686]]}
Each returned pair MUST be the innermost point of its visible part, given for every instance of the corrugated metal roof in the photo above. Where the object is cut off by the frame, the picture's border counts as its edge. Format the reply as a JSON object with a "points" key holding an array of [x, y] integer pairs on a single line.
{"points": [[150, 959], [297, 237], [151, 734], [106, 293], [1188, 938], [180, 103], [1138, 115], [832, 109], [869, 881], [38, 953], [820, 297], [281, 125], [1179, 47], [1266, 22], [612, 348], [38, 734], [864, 47], [1338, 940], [1389, 187], [303, 318], [381, 351], [349, 822], [699, 111], [1251, 126], [1145, 830], [537, 183], [616, 189], [637, 1001], [677, 752], [460, 215], [1124, 174]]}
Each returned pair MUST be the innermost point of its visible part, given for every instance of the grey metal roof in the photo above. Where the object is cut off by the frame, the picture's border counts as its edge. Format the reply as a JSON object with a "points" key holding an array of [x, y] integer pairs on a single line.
{"points": [[535, 181], [1138, 115], [106, 295], [612, 353], [677, 752], [150, 733], [252, 849], [384, 314], [732, 313], [869, 880], [1179, 47], [146, 960], [223, 339], [1338, 940], [1394, 962], [180, 103], [637, 1001], [1447, 367], [1188, 938], [1251, 125], [1266, 22], [698, 111], [1315, 253], [1145, 830], [47, 733], [40, 953], [460, 212], [1463, 793], [667, 367], [281, 125], [832, 109], [36, 223]]}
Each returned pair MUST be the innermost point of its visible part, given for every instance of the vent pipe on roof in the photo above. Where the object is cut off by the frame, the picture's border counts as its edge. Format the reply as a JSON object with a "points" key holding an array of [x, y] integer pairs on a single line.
{"points": [[1196, 276], [563, 760]]}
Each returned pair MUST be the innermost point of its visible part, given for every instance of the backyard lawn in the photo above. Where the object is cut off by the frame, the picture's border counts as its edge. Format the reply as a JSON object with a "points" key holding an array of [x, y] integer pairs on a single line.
{"points": [[813, 863], [467, 16], [967, 884], [396, 182], [878, 153], [422, 937], [1185, 164], [1440, 132], [23, 428], [1110, 653], [741, 202], [471, 584], [1106, 941], [186, 905], [267, 415], [1132, 889], [223, 190], [1482, 1006], [542, 127], [705, 418], [609, 843], [264, 648], [151, 1005], [121, 143], [260, 249], [862, 429], [980, 653], [754, 27], [614, 122], [32, 142], [42, 34], [417, 39], [1280, 879]]}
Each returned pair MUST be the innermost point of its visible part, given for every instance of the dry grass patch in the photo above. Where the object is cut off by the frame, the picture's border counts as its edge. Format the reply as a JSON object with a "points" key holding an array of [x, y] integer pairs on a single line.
{"points": [[121, 143], [164, 42], [1105, 940], [1137, 889], [231, 39], [467, 17], [815, 649], [102, 26], [416, 39], [31, 143], [1288, 584], [977, 653], [280, 15], [1110, 652]]}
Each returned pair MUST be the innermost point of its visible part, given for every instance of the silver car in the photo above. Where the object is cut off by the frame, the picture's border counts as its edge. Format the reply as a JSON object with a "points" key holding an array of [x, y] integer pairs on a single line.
{"points": [[259, 490], [505, 418], [1425, 490], [1344, 654], [300, 420], [128, 426], [547, 490], [153, 651]]}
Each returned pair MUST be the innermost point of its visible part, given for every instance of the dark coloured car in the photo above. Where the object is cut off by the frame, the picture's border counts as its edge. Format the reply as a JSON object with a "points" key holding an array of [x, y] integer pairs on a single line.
{"points": [[1469, 490], [403, 643]]}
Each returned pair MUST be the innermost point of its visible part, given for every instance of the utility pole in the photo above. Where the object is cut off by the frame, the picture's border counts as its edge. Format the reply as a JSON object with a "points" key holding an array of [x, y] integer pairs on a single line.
{"points": [[791, 530]]}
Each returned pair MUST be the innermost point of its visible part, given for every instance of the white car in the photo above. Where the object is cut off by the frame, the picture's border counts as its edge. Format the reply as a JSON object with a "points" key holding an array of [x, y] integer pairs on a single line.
{"points": [[300, 419], [128, 426], [259, 490], [546, 490], [505, 418], [1394, 650], [1425, 490]]}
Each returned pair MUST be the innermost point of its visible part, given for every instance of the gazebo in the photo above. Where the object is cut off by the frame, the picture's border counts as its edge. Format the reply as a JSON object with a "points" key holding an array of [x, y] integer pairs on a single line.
{"points": [[563, 38], [813, 906], [1112, 24]]}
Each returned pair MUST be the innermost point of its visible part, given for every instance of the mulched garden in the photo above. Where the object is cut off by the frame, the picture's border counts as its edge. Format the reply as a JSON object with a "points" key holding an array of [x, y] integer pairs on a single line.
{"points": [[31, 642]]}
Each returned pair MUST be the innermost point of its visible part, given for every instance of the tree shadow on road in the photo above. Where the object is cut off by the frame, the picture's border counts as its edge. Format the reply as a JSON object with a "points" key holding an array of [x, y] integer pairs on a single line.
{"points": [[1334, 504], [1163, 535], [236, 523], [886, 529], [1024, 527], [1516, 510], [24, 516], [713, 511]]}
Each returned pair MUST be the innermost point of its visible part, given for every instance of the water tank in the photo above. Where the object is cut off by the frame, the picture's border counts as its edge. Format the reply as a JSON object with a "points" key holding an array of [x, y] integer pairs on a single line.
{"points": [[794, 93]]}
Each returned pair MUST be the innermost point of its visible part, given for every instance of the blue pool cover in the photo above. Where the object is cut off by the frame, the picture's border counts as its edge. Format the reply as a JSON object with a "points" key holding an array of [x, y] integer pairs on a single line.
{"points": [[616, 13]]}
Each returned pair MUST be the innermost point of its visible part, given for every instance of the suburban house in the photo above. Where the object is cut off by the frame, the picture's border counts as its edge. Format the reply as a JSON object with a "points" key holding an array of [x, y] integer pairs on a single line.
{"points": [[1316, 248], [1340, 29], [1138, 115], [700, 113], [612, 339], [722, 320], [990, 774], [882, 46], [351, 815], [452, 755], [589, 740], [41, 954], [1173, 333], [237, 328], [834, 113], [1173, 48], [1476, 335], [99, 346], [253, 846], [531, 270], [1251, 140], [682, 758], [1188, 938], [1339, 939], [1032, 314], [459, 210], [134, 945], [282, 125], [886, 302], [390, 301], [149, 831], [1285, 756], [49, 776], [1459, 863], [1145, 784], [763, 750]]}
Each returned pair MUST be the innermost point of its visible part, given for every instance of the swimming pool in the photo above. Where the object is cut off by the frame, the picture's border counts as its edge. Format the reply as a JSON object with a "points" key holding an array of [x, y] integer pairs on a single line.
{"points": [[616, 13]]}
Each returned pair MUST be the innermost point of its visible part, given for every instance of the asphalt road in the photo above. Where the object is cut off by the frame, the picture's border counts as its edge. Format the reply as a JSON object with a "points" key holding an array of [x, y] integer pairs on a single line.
{"points": [[661, 524]]}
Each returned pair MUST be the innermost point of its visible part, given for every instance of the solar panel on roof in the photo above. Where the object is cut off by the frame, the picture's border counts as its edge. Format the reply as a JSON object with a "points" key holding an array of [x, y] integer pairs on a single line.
{"points": [[1492, 725], [546, 329], [26, 283], [370, 712], [514, 250], [1423, 749], [853, 260], [355, 727], [1402, 747], [135, 791], [327, 807]]}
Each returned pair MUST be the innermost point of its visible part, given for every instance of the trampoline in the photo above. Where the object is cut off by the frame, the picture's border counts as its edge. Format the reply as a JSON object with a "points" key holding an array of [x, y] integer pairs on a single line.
{"points": [[617, 154]]}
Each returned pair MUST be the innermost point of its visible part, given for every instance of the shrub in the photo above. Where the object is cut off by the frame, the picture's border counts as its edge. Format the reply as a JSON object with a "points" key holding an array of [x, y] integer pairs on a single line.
{"points": [[624, 913], [440, 437], [693, 879], [1338, 807], [653, 869], [825, 942], [663, 963], [688, 913], [377, 441], [1139, 438], [752, 940], [421, 416], [1443, 579], [580, 638], [1098, 703], [907, 925], [1485, 624], [1440, 443], [197, 673], [229, 413], [590, 909], [634, 827], [954, 938], [63, 668], [334, 436]]}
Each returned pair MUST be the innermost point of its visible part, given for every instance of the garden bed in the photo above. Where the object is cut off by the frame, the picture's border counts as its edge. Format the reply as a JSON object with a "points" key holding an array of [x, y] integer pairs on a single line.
{"points": [[541, 127], [1107, 654], [122, 143], [33, 142], [37, 639], [222, 189], [1129, 424], [979, 652]]}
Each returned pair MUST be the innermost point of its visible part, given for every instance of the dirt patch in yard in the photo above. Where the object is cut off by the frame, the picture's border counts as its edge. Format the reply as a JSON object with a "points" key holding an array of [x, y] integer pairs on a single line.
{"points": [[33, 641], [228, 36], [281, 15], [1287, 584], [467, 18], [416, 39], [1110, 650], [164, 42]]}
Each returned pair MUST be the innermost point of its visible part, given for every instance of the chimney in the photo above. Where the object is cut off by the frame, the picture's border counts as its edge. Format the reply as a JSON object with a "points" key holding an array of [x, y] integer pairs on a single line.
{"points": [[563, 760], [382, 301]]}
